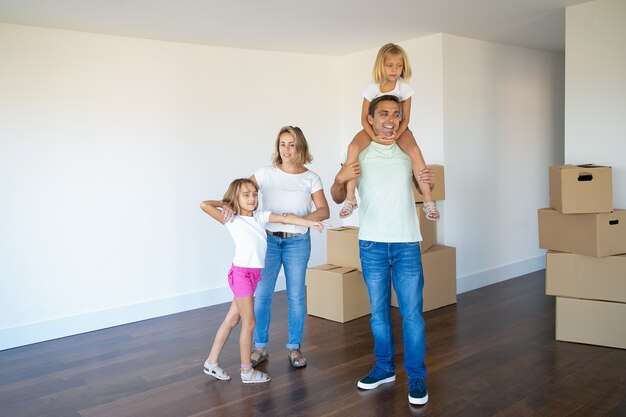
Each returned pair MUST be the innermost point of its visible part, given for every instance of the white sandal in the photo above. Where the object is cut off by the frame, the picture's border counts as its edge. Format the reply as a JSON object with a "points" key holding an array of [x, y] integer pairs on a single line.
{"points": [[215, 371], [348, 207], [431, 211], [254, 377]]}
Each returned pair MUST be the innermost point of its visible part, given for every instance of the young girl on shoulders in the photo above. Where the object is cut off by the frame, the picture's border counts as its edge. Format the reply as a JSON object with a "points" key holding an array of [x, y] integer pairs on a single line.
{"points": [[247, 230], [391, 73]]}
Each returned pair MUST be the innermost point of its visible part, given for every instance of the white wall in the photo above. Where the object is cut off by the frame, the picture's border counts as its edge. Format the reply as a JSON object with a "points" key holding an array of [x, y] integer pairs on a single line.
{"points": [[503, 128], [595, 87], [107, 147]]}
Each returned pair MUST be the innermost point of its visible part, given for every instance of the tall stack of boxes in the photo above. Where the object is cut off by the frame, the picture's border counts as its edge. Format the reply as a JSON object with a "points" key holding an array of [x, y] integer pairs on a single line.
{"points": [[586, 259], [336, 291]]}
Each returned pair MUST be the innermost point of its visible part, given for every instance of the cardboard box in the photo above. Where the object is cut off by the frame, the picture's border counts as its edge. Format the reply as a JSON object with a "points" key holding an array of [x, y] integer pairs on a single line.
{"points": [[336, 293], [581, 189], [342, 247], [428, 229], [580, 276], [599, 234], [439, 264], [592, 322], [439, 192]]}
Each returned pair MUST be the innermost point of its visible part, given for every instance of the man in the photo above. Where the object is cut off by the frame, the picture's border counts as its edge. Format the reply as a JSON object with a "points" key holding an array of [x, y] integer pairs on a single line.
{"points": [[389, 248]]}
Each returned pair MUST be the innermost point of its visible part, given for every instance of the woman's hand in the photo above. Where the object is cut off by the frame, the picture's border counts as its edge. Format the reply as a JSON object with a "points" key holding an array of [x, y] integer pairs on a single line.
{"points": [[228, 214], [318, 226]]}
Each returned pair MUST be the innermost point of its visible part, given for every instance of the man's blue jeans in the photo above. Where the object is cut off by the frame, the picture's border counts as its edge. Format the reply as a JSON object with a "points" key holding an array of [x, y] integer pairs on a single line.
{"points": [[402, 263], [293, 255]]}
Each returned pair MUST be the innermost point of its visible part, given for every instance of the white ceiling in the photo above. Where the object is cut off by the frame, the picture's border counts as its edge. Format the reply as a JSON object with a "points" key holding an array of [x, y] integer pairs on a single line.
{"points": [[329, 27]]}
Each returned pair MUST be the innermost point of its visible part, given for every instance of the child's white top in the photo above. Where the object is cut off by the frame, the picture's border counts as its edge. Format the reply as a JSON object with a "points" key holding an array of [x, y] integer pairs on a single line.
{"points": [[248, 233], [403, 90], [287, 193]]}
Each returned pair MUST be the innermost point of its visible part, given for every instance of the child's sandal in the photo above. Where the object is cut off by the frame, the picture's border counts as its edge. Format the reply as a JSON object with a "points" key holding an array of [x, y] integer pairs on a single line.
{"points": [[296, 358], [254, 377], [431, 211], [258, 356], [348, 208], [215, 371]]}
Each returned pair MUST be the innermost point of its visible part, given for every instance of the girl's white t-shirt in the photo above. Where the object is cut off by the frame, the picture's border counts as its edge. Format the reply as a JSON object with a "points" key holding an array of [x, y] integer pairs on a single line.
{"points": [[287, 193], [248, 233], [402, 90]]}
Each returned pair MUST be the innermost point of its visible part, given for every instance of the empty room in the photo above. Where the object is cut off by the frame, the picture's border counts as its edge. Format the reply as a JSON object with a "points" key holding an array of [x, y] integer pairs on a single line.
{"points": [[459, 248]]}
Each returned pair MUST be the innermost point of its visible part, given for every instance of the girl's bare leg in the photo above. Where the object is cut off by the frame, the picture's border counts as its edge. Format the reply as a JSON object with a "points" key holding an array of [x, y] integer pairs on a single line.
{"points": [[230, 321], [360, 142], [245, 305], [407, 143]]}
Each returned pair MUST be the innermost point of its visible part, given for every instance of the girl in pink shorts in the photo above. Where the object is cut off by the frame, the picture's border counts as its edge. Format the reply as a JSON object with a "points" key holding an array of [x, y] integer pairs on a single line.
{"points": [[247, 229]]}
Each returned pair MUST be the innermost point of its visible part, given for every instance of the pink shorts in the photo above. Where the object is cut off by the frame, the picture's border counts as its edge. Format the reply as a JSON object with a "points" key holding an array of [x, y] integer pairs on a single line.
{"points": [[243, 281]]}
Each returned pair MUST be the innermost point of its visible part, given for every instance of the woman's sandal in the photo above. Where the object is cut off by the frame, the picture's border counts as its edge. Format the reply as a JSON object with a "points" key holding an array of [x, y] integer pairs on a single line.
{"points": [[431, 211], [215, 371], [296, 358], [254, 377], [258, 356], [348, 207]]}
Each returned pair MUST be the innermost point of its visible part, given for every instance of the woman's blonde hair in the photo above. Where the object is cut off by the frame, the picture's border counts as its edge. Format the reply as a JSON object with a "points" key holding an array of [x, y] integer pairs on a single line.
{"points": [[303, 156], [231, 196], [386, 50]]}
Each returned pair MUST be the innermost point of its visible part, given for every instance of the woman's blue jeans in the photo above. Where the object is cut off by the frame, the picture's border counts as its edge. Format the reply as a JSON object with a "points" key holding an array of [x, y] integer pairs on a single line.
{"points": [[293, 255], [401, 263]]}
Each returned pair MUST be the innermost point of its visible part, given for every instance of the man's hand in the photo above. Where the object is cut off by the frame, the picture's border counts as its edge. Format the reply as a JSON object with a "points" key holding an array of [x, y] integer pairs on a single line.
{"points": [[348, 172], [425, 176]]}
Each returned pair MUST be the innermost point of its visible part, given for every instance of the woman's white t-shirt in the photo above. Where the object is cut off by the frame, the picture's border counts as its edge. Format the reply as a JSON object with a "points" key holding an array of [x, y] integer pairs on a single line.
{"points": [[287, 193], [248, 233]]}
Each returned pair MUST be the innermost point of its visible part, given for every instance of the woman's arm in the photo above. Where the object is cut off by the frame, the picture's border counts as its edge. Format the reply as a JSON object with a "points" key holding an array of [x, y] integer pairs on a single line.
{"points": [[216, 209], [322, 212]]}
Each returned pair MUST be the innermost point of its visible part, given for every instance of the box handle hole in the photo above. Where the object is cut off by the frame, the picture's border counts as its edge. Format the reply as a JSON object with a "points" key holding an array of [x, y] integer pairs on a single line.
{"points": [[585, 177], [613, 222]]}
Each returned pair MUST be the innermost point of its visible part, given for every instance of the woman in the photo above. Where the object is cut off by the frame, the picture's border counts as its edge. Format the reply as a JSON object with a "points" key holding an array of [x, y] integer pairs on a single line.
{"points": [[287, 187]]}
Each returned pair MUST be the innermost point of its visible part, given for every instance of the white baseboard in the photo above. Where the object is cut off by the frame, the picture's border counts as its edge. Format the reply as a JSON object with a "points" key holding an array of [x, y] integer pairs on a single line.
{"points": [[67, 326], [495, 275]]}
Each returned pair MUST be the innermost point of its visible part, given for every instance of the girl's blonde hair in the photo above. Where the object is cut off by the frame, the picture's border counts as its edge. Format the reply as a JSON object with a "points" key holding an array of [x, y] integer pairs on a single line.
{"points": [[303, 156], [379, 66], [231, 196]]}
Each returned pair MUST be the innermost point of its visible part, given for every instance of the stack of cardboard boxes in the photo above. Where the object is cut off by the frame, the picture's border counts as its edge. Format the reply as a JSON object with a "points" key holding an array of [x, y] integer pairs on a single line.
{"points": [[586, 259], [336, 291]]}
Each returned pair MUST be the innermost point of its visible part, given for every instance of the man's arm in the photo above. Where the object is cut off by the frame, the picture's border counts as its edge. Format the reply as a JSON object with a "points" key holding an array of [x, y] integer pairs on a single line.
{"points": [[346, 173]]}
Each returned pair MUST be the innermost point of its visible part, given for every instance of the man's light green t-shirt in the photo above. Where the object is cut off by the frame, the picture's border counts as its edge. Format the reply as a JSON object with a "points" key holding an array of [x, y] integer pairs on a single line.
{"points": [[387, 208]]}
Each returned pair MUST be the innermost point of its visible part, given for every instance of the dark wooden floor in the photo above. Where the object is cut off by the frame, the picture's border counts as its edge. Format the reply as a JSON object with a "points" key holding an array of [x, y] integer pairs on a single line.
{"points": [[492, 354]]}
